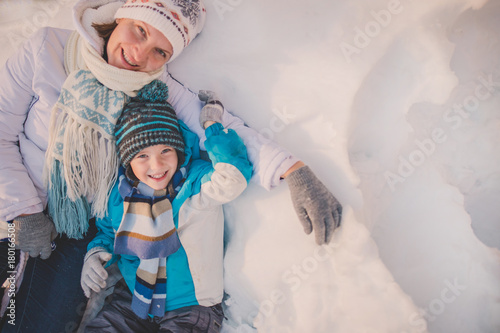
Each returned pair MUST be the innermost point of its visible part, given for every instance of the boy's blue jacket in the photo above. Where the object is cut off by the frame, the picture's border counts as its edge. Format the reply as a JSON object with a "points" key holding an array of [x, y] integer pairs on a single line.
{"points": [[195, 271]]}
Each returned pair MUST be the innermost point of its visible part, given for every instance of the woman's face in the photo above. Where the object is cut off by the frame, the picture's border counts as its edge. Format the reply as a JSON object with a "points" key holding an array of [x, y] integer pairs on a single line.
{"points": [[136, 45]]}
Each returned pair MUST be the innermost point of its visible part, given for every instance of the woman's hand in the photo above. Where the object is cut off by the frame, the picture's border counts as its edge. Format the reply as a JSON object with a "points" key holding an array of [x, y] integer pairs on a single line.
{"points": [[34, 234], [212, 111], [316, 207]]}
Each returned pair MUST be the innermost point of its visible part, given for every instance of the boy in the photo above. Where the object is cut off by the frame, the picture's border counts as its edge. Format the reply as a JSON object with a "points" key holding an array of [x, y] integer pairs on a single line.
{"points": [[165, 222]]}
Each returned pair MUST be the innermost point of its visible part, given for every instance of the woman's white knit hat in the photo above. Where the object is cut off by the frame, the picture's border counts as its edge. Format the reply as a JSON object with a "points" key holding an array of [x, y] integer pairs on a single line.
{"points": [[179, 20]]}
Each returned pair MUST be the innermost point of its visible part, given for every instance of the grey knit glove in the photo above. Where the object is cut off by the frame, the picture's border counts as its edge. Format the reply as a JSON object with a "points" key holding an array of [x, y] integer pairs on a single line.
{"points": [[213, 109], [34, 233], [316, 207], [94, 274]]}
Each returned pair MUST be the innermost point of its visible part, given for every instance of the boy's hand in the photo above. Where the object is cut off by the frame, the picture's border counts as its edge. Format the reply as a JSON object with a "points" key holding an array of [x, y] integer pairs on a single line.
{"points": [[213, 109], [93, 273], [316, 207], [34, 234]]}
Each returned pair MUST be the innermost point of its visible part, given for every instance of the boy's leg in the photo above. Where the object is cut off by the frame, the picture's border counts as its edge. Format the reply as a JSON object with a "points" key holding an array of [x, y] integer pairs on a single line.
{"points": [[98, 300], [50, 295], [194, 318], [117, 315]]}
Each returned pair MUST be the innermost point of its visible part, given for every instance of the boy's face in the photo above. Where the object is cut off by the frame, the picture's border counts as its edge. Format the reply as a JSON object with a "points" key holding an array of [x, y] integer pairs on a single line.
{"points": [[155, 166]]}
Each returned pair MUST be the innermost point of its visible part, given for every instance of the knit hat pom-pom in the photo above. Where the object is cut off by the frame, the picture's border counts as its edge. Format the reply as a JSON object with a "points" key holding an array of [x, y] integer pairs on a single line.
{"points": [[156, 91]]}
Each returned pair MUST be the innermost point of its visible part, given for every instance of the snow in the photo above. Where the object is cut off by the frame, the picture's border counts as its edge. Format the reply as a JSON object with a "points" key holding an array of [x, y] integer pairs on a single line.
{"points": [[394, 105]]}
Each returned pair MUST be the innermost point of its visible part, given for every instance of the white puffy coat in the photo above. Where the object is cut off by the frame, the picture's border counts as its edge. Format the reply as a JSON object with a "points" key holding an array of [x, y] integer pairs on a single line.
{"points": [[30, 83]]}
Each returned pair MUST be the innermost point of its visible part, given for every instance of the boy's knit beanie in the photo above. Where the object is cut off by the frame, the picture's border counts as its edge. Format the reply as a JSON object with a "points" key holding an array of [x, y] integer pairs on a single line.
{"points": [[148, 120], [179, 20]]}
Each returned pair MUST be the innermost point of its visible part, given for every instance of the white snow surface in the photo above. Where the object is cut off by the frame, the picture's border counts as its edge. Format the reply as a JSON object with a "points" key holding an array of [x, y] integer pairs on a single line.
{"points": [[395, 106]]}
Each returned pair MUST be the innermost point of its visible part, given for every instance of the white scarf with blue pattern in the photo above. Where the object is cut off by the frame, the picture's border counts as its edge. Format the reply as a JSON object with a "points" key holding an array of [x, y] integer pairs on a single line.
{"points": [[81, 162]]}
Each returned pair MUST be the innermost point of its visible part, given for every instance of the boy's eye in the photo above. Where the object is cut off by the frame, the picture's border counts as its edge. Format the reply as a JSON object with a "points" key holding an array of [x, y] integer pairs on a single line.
{"points": [[141, 156], [166, 150]]}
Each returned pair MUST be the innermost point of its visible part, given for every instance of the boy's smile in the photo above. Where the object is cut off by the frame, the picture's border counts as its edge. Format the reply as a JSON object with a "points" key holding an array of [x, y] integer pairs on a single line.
{"points": [[155, 166]]}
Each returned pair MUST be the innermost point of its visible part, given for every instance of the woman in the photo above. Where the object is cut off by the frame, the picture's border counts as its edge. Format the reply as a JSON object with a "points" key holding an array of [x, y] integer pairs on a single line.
{"points": [[134, 51]]}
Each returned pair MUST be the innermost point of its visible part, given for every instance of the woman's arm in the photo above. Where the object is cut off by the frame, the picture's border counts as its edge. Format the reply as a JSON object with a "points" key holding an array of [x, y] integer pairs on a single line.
{"points": [[316, 207], [24, 115], [230, 170], [18, 194], [270, 161], [295, 166]]}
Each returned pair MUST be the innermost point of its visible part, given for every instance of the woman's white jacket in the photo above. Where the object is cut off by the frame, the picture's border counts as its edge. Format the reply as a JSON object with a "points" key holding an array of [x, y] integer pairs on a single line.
{"points": [[30, 83]]}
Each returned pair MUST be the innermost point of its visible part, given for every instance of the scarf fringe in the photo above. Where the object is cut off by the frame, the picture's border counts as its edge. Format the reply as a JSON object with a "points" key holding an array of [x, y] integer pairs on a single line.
{"points": [[78, 176], [70, 216], [83, 152], [84, 147]]}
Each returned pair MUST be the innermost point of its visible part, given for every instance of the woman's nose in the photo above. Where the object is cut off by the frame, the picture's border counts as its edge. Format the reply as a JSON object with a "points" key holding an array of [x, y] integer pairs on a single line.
{"points": [[140, 52]]}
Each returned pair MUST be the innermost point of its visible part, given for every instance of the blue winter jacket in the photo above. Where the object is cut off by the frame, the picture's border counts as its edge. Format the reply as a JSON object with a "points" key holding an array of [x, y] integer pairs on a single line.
{"points": [[195, 271]]}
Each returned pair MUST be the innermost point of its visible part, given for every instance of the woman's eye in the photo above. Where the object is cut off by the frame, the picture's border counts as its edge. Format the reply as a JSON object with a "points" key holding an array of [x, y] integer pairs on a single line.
{"points": [[161, 52], [141, 30]]}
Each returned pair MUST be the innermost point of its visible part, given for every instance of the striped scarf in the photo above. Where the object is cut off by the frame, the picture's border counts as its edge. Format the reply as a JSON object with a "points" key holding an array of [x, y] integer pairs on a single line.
{"points": [[148, 231], [81, 162]]}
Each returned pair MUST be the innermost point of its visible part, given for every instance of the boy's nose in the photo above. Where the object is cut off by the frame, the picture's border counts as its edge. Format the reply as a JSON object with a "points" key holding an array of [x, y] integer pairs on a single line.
{"points": [[156, 163]]}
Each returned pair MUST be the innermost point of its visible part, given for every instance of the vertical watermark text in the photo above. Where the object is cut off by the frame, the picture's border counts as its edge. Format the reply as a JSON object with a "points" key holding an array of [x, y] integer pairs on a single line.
{"points": [[10, 282]]}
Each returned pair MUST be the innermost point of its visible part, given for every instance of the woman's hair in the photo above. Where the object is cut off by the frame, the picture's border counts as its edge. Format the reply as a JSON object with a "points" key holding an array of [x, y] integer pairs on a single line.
{"points": [[104, 30]]}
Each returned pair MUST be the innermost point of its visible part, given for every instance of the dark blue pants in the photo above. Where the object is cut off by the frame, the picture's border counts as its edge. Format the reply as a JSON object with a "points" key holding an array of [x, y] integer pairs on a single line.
{"points": [[117, 316], [50, 298]]}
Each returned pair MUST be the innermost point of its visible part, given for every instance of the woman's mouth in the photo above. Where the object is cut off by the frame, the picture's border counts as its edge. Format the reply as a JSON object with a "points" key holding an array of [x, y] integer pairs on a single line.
{"points": [[127, 59]]}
